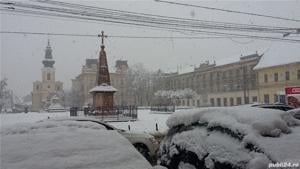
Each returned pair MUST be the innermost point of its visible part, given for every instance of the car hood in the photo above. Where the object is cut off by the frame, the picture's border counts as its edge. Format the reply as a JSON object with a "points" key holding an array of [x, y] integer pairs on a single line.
{"points": [[136, 134], [59, 145]]}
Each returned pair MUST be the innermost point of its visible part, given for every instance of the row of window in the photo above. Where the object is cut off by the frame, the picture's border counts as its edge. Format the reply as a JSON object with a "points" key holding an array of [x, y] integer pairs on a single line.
{"points": [[37, 87], [287, 76], [230, 101]]}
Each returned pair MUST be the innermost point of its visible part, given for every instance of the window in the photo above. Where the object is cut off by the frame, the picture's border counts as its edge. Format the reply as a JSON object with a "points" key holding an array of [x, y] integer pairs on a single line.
{"points": [[275, 77], [212, 102], [275, 98], [238, 100], [218, 101], [37, 87], [57, 88], [287, 75], [48, 76], [246, 100], [237, 72], [266, 78], [198, 103], [48, 86], [298, 74], [231, 101], [266, 98], [225, 101], [254, 99]]}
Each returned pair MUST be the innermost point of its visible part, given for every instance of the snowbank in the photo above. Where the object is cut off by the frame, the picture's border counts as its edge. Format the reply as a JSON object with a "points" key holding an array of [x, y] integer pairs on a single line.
{"points": [[67, 144]]}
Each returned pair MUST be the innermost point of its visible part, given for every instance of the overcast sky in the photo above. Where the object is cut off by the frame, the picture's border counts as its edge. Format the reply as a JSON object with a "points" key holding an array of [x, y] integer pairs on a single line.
{"points": [[22, 55]]}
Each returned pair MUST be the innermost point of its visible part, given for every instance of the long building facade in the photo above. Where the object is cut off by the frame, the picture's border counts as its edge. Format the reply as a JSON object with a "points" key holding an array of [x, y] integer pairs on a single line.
{"points": [[217, 85]]}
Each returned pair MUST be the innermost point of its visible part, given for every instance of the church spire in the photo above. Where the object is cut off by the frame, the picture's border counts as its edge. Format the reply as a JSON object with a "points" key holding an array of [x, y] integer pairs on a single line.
{"points": [[48, 61]]}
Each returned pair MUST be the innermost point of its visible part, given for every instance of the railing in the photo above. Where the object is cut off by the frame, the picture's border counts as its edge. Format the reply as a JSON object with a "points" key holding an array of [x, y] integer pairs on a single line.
{"points": [[115, 112], [163, 108]]}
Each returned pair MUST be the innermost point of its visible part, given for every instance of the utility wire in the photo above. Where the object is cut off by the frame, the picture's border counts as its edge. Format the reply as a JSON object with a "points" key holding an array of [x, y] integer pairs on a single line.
{"points": [[72, 12], [227, 10], [124, 16], [178, 29], [83, 15], [128, 14], [131, 37]]}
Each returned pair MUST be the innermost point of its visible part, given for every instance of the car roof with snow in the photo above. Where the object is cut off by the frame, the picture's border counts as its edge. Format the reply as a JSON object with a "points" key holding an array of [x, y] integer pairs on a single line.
{"points": [[67, 144], [274, 132]]}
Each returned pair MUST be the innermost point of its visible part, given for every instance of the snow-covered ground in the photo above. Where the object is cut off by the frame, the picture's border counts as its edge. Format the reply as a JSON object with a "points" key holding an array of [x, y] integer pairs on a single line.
{"points": [[145, 123]]}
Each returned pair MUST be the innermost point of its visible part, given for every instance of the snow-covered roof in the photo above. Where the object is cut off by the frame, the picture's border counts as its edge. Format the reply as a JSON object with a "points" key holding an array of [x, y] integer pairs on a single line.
{"points": [[103, 88], [67, 144], [279, 54]]}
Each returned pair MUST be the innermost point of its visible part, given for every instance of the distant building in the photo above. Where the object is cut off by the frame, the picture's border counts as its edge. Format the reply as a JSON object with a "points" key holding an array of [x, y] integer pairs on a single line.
{"points": [[48, 88], [87, 79], [217, 85]]}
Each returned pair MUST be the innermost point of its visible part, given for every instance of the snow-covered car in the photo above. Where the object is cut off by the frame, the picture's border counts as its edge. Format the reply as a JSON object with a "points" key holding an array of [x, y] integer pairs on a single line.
{"points": [[282, 107], [145, 143], [241, 137], [67, 144], [295, 113]]}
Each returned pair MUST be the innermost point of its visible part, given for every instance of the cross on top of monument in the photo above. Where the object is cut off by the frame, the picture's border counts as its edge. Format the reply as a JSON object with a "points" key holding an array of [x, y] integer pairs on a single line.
{"points": [[102, 37]]}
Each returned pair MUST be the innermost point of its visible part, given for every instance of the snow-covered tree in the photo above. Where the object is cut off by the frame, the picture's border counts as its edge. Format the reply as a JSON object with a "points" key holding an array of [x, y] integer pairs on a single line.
{"points": [[172, 95]]}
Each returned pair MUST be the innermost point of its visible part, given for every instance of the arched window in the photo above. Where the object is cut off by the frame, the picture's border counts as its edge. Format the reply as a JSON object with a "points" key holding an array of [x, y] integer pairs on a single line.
{"points": [[48, 76]]}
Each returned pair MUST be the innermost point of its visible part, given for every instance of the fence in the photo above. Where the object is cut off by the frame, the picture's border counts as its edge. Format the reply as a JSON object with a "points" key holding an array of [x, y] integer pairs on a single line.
{"points": [[115, 112], [163, 108]]}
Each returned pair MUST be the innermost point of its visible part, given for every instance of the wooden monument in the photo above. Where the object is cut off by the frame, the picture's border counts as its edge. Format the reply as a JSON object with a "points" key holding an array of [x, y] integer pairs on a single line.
{"points": [[103, 93]]}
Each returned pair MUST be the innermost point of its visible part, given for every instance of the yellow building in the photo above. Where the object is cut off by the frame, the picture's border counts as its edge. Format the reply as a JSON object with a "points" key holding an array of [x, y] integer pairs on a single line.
{"points": [[43, 91], [278, 68], [272, 81]]}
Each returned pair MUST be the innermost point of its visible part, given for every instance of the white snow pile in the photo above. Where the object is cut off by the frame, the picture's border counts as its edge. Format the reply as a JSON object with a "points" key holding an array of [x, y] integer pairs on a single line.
{"points": [[67, 144], [274, 134]]}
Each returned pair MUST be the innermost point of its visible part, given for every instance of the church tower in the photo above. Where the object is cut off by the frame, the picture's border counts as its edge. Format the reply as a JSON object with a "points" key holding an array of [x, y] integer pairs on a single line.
{"points": [[48, 71], [44, 91]]}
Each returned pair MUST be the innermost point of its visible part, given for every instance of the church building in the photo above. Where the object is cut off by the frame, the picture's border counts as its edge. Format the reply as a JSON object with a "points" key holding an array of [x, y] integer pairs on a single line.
{"points": [[46, 90]]}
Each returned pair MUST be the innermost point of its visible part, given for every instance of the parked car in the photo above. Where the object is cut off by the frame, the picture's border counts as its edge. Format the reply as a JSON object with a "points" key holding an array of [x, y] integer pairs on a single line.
{"points": [[241, 137], [145, 143], [282, 107], [295, 113], [67, 144]]}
